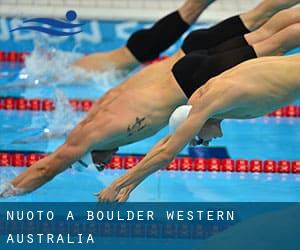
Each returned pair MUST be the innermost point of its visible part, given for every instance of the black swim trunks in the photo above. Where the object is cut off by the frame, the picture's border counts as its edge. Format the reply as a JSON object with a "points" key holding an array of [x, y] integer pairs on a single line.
{"points": [[205, 39], [195, 69]]}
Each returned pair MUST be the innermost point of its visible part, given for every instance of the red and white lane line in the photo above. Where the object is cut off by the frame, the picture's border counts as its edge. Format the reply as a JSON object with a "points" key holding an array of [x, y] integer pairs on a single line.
{"points": [[24, 159], [84, 105]]}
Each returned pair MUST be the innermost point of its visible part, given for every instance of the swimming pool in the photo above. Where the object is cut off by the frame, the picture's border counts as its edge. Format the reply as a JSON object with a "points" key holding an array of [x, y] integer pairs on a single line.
{"points": [[266, 138]]}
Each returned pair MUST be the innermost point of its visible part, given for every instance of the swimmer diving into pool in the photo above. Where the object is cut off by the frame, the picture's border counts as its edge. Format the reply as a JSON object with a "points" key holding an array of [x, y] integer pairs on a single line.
{"points": [[276, 83], [147, 44], [203, 39], [136, 109]]}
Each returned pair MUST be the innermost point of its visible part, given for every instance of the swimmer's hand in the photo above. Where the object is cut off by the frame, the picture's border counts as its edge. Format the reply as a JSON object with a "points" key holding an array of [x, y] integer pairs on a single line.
{"points": [[124, 194], [7, 190], [109, 194]]}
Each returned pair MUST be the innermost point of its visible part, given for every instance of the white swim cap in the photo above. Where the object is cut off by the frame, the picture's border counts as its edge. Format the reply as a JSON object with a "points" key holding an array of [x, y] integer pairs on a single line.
{"points": [[178, 117]]}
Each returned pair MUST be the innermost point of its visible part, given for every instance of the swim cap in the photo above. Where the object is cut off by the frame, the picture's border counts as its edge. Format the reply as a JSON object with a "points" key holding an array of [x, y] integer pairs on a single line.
{"points": [[178, 117]]}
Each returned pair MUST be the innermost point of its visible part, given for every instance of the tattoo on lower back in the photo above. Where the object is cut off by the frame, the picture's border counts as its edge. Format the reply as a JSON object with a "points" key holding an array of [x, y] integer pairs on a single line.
{"points": [[137, 126]]}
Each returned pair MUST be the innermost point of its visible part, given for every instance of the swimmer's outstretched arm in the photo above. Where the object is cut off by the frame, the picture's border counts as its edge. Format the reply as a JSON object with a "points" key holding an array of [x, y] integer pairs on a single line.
{"points": [[43, 171], [81, 139], [164, 152], [159, 157]]}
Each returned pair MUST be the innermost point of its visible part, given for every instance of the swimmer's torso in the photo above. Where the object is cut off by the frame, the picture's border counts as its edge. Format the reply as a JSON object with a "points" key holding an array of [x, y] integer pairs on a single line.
{"points": [[143, 103], [154, 90]]}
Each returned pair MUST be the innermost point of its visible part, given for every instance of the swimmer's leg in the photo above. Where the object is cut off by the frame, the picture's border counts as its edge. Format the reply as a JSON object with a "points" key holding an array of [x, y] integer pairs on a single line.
{"points": [[151, 41], [280, 21], [229, 34], [279, 43], [256, 17]]}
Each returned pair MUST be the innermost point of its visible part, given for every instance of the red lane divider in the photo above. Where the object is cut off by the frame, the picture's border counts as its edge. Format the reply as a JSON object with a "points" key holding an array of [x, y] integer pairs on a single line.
{"points": [[19, 57], [12, 103], [159, 59], [288, 111], [13, 56], [17, 159]]}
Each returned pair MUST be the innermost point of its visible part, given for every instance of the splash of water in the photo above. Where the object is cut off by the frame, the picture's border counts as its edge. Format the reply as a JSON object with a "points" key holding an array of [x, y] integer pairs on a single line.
{"points": [[8, 190], [48, 66], [58, 122], [63, 119]]}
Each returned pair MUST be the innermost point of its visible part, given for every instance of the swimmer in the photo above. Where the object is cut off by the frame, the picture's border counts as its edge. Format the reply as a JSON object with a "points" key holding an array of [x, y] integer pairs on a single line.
{"points": [[138, 108], [224, 41], [142, 46], [276, 83], [147, 44], [278, 22]]}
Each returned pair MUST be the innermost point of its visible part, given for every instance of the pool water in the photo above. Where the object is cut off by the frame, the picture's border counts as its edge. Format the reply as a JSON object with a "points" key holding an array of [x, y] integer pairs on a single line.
{"points": [[73, 186], [263, 138]]}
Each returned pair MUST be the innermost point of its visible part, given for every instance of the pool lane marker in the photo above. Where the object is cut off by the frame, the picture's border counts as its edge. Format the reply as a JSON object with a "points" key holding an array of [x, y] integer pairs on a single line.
{"points": [[26, 159], [36, 104], [19, 57], [84, 105], [13, 56]]}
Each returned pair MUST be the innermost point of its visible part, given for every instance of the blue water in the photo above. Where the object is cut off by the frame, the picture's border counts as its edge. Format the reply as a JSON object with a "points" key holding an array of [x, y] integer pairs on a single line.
{"points": [[263, 138]]}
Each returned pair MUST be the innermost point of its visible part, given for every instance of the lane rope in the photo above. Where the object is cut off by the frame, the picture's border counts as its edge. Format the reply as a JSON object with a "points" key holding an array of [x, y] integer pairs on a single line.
{"points": [[26, 159], [84, 105], [13, 56], [19, 57]]}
